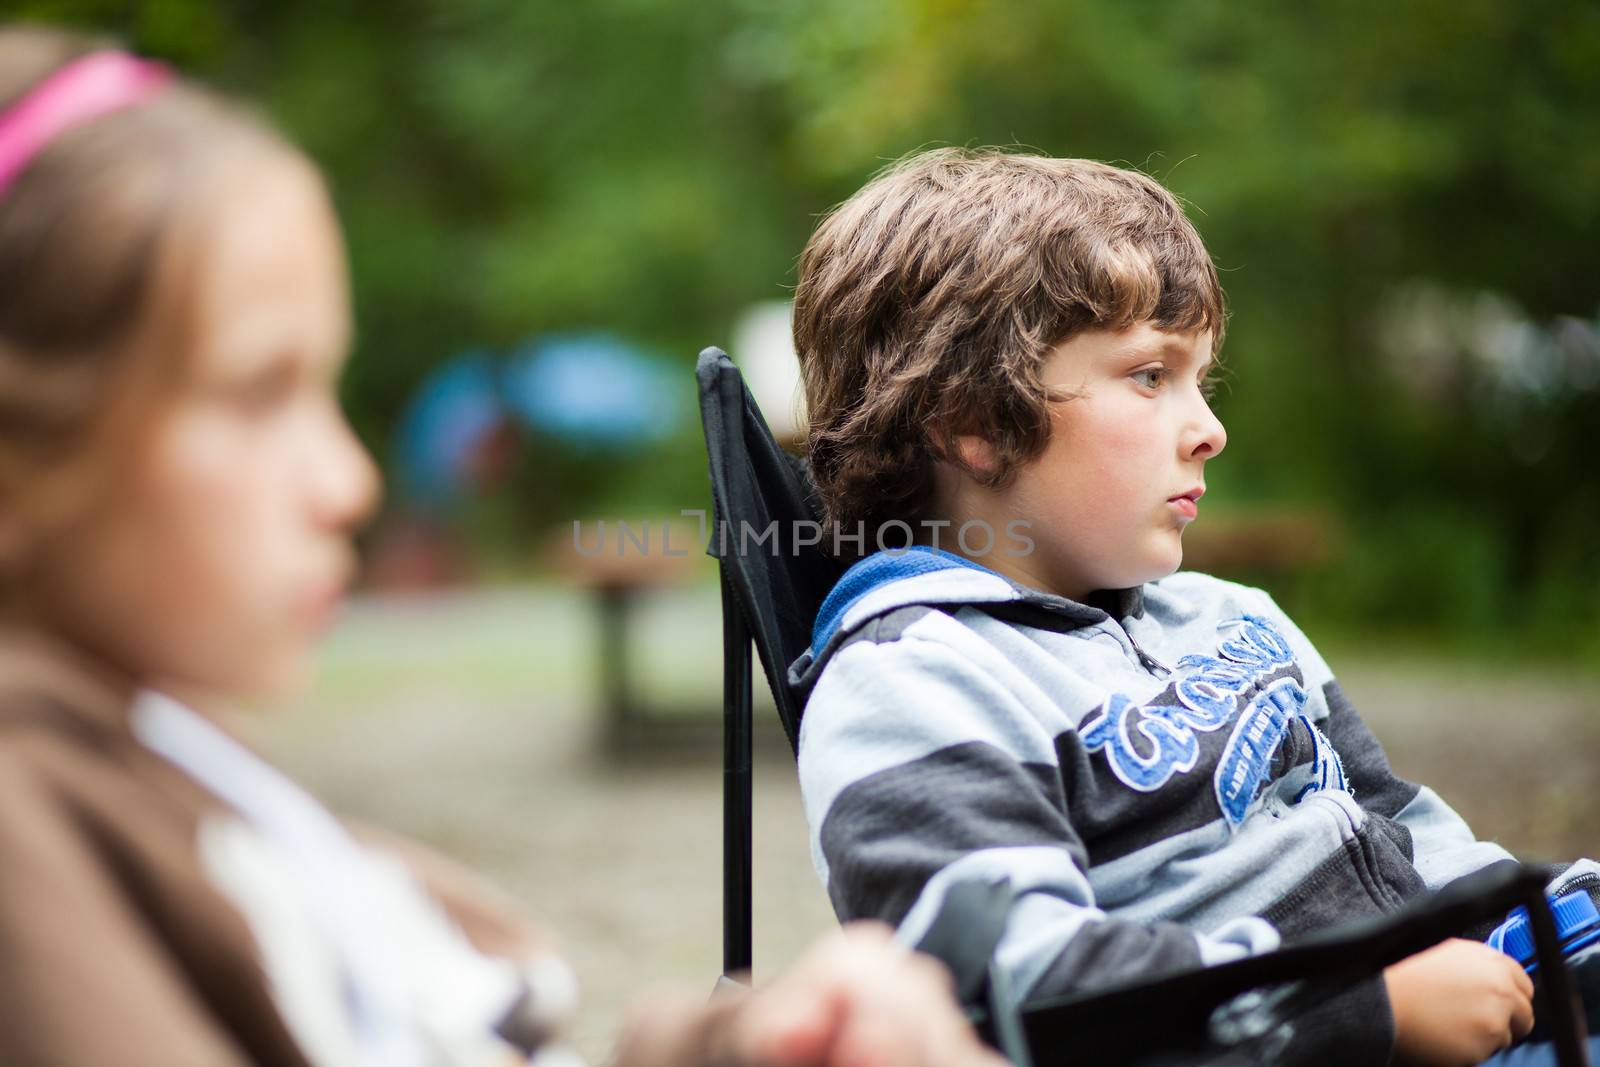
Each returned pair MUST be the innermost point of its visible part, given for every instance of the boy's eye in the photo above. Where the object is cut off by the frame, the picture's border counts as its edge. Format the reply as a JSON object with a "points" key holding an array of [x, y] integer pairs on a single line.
{"points": [[1150, 377]]}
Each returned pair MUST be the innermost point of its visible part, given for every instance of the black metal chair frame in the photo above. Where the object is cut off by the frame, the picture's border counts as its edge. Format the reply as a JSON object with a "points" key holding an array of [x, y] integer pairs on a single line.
{"points": [[768, 599]]}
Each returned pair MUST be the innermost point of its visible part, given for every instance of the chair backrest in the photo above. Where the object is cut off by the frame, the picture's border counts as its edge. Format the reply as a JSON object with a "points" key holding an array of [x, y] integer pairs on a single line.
{"points": [[767, 532]]}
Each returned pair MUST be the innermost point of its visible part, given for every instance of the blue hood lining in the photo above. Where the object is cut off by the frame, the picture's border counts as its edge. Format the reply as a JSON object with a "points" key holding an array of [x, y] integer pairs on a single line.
{"points": [[874, 572]]}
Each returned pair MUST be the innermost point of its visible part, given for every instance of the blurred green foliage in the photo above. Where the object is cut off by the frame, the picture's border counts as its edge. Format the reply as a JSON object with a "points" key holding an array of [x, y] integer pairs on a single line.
{"points": [[506, 167]]}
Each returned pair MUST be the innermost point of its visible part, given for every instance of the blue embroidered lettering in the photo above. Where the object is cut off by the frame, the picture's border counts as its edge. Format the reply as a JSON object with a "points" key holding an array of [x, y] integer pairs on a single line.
{"points": [[1214, 688], [1209, 696], [1174, 748], [1260, 731], [1257, 644]]}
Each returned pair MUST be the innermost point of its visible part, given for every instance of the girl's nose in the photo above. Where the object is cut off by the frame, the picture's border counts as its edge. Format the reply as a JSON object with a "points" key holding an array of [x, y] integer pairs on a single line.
{"points": [[348, 483]]}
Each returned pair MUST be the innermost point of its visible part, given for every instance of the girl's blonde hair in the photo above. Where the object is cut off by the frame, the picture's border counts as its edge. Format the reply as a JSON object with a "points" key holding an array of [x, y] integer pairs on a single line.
{"points": [[97, 264]]}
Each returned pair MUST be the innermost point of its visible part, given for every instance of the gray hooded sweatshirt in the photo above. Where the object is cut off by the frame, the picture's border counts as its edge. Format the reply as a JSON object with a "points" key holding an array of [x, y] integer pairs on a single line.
{"points": [[1170, 777]]}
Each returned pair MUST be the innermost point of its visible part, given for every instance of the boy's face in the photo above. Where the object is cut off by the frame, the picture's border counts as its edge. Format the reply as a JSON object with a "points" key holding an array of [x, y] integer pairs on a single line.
{"points": [[1109, 497]]}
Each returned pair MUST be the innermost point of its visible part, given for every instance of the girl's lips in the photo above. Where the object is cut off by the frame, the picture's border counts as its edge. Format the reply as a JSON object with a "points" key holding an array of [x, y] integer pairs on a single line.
{"points": [[320, 607]]}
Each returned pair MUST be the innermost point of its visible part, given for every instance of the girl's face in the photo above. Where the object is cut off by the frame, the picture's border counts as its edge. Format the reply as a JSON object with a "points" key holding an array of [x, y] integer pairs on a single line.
{"points": [[222, 547]]}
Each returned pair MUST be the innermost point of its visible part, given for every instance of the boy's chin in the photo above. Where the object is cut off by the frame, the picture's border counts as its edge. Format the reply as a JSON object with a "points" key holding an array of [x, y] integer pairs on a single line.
{"points": [[1158, 566]]}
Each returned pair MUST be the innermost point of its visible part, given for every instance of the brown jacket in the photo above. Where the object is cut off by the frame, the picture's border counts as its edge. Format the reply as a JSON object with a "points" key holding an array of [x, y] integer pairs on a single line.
{"points": [[115, 947]]}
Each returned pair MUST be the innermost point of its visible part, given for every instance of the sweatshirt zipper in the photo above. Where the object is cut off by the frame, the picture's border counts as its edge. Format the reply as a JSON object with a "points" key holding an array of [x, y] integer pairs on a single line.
{"points": [[1149, 662], [1585, 882]]}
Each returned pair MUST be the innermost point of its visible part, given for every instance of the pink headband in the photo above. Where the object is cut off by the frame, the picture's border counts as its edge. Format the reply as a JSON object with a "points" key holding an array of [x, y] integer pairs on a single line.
{"points": [[80, 92]]}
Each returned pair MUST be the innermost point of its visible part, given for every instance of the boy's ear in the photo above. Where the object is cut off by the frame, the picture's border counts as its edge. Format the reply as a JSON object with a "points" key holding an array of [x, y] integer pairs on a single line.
{"points": [[976, 453]]}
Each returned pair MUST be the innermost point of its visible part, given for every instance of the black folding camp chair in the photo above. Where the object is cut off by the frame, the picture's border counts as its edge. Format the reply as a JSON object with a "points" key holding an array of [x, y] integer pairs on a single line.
{"points": [[774, 578]]}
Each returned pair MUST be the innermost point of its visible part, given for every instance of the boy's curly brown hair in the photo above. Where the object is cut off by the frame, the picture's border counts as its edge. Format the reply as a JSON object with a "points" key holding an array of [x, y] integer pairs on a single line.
{"points": [[929, 300]]}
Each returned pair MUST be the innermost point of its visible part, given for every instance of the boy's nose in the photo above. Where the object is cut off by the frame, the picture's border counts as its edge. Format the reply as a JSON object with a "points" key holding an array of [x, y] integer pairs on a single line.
{"points": [[1207, 437]]}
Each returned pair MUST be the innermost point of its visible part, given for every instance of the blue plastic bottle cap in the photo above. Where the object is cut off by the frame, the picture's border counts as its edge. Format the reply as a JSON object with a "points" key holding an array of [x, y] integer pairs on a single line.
{"points": [[1577, 925], [1518, 937], [1577, 921]]}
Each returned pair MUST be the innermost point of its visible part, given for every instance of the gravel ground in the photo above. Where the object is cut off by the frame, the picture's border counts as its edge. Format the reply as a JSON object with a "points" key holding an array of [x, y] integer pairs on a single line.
{"points": [[467, 720]]}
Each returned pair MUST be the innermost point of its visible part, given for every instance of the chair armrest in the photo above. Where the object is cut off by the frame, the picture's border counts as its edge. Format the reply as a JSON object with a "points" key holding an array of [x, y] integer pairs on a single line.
{"points": [[1206, 1011]]}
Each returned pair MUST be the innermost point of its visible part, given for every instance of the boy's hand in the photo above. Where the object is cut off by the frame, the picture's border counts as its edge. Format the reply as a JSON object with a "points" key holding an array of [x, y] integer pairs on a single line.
{"points": [[1457, 1004], [854, 1000]]}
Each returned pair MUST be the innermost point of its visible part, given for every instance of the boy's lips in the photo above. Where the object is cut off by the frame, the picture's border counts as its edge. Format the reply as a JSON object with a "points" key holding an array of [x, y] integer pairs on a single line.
{"points": [[1187, 502]]}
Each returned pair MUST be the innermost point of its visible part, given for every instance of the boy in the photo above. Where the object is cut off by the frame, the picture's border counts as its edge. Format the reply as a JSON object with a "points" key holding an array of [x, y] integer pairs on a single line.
{"points": [[1005, 357]]}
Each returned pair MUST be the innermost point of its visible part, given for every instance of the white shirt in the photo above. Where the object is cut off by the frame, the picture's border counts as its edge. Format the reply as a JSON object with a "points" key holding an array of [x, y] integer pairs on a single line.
{"points": [[366, 969]]}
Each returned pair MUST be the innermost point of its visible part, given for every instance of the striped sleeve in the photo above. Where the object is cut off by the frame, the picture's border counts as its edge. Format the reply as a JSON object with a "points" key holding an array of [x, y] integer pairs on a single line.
{"points": [[924, 764]]}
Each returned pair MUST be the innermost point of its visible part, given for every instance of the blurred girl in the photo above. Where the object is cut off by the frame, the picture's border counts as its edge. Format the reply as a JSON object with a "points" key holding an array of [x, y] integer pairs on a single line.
{"points": [[178, 488]]}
